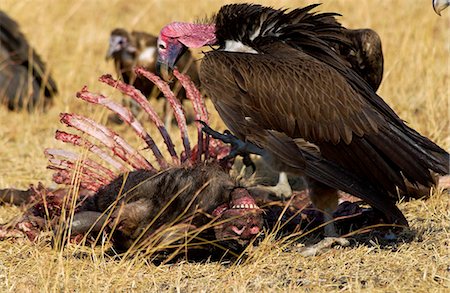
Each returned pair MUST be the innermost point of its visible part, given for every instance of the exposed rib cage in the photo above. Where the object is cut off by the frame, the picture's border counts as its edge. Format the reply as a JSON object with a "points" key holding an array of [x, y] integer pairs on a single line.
{"points": [[116, 152]]}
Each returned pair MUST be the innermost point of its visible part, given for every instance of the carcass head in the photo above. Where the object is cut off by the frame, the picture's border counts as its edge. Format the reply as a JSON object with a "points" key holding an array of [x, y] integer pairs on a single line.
{"points": [[240, 221]]}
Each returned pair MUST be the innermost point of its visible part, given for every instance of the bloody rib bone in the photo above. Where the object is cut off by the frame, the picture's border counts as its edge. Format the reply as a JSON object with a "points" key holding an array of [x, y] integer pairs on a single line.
{"points": [[193, 94], [125, 115], [63, 176], [78, 141], [72, 157], [109, 138], [72, 167], [174, 103], [143, 102]]}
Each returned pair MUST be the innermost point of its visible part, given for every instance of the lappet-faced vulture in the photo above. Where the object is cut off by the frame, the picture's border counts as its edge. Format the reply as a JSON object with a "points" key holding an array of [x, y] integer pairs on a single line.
{"points": [[278, 82], [24, 78]]}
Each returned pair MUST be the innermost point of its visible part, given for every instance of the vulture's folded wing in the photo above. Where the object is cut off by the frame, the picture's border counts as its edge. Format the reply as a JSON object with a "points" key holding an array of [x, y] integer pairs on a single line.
{"points": [[292, 93]]}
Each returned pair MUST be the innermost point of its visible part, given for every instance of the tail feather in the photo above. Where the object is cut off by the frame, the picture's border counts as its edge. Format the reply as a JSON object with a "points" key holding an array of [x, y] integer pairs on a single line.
{"points": [[336, 177], [437, 158], [415, 155], [284, 149]]}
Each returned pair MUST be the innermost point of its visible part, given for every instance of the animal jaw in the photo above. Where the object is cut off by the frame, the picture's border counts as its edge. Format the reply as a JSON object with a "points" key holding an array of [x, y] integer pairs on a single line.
{"points": [[240, 200], [239, 220]]}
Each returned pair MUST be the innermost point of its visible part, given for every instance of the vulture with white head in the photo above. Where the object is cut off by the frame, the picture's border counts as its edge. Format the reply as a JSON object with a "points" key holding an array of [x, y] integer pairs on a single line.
{"points": [[279, 81]]}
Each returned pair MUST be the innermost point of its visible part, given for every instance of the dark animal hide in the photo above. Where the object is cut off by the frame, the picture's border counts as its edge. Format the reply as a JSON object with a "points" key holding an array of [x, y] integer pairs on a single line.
{"points": [[145, 201]]}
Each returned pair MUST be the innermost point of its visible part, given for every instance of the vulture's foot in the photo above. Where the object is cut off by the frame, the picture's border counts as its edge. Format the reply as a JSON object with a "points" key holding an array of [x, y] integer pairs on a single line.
{"points": [[282, 190], [238, 147], [326, 244]]}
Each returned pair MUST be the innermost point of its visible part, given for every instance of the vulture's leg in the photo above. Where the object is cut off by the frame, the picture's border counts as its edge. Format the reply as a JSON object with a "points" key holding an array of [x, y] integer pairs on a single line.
{"points": [[282, 190], [238, 147], [323, 246], [325, 199]]}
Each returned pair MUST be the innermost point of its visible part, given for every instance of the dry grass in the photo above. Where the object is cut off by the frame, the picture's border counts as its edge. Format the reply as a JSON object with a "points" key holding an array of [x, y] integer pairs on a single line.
{"points": [[72, 36]]}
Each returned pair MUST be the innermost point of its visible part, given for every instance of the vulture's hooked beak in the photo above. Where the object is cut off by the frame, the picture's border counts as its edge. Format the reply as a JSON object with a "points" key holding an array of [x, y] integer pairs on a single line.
{"points": [[439, 5], [109, 53], [168, 55], [117, 44]]}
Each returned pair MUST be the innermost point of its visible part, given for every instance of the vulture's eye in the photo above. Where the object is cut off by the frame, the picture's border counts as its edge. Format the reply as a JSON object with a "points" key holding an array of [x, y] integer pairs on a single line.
{"points": [[161, 44]]}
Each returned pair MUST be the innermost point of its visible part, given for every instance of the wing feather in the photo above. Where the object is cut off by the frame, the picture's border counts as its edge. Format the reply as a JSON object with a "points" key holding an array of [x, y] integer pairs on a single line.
{"points": [[296, 94], [292, 93]]}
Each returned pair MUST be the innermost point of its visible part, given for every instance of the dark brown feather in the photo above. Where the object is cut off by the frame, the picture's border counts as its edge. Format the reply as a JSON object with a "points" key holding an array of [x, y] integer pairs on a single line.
{"points": [[24, 78], [310, 100], [301, 84]]}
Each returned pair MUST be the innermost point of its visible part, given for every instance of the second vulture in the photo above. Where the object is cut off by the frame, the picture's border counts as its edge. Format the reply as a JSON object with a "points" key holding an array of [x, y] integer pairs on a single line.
{"points": [[24, 80]]}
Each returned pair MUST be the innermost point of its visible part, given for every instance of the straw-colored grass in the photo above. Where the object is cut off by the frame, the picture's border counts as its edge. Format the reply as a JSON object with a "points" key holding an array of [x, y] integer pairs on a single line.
{"points": [[72, 36]]}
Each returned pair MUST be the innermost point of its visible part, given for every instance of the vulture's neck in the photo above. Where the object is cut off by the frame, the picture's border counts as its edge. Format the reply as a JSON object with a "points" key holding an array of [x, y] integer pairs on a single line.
{"points": [[237, 46]]}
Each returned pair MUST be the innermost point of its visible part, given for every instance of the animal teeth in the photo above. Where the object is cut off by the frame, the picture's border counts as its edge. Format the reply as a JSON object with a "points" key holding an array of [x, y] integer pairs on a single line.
{"points": [[245, 206]]}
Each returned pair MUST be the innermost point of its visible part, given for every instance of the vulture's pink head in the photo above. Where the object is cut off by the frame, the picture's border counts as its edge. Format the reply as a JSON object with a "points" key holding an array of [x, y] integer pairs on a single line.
{"points": [[175, 38]]}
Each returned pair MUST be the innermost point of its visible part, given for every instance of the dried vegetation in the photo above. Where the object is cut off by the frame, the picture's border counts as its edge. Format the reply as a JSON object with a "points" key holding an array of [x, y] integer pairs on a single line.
{"points": [[72, 37]]}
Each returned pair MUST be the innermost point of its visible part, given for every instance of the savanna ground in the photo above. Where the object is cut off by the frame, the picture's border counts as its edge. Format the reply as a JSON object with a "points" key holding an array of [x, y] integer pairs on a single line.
{"points": [[72, 36]]}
